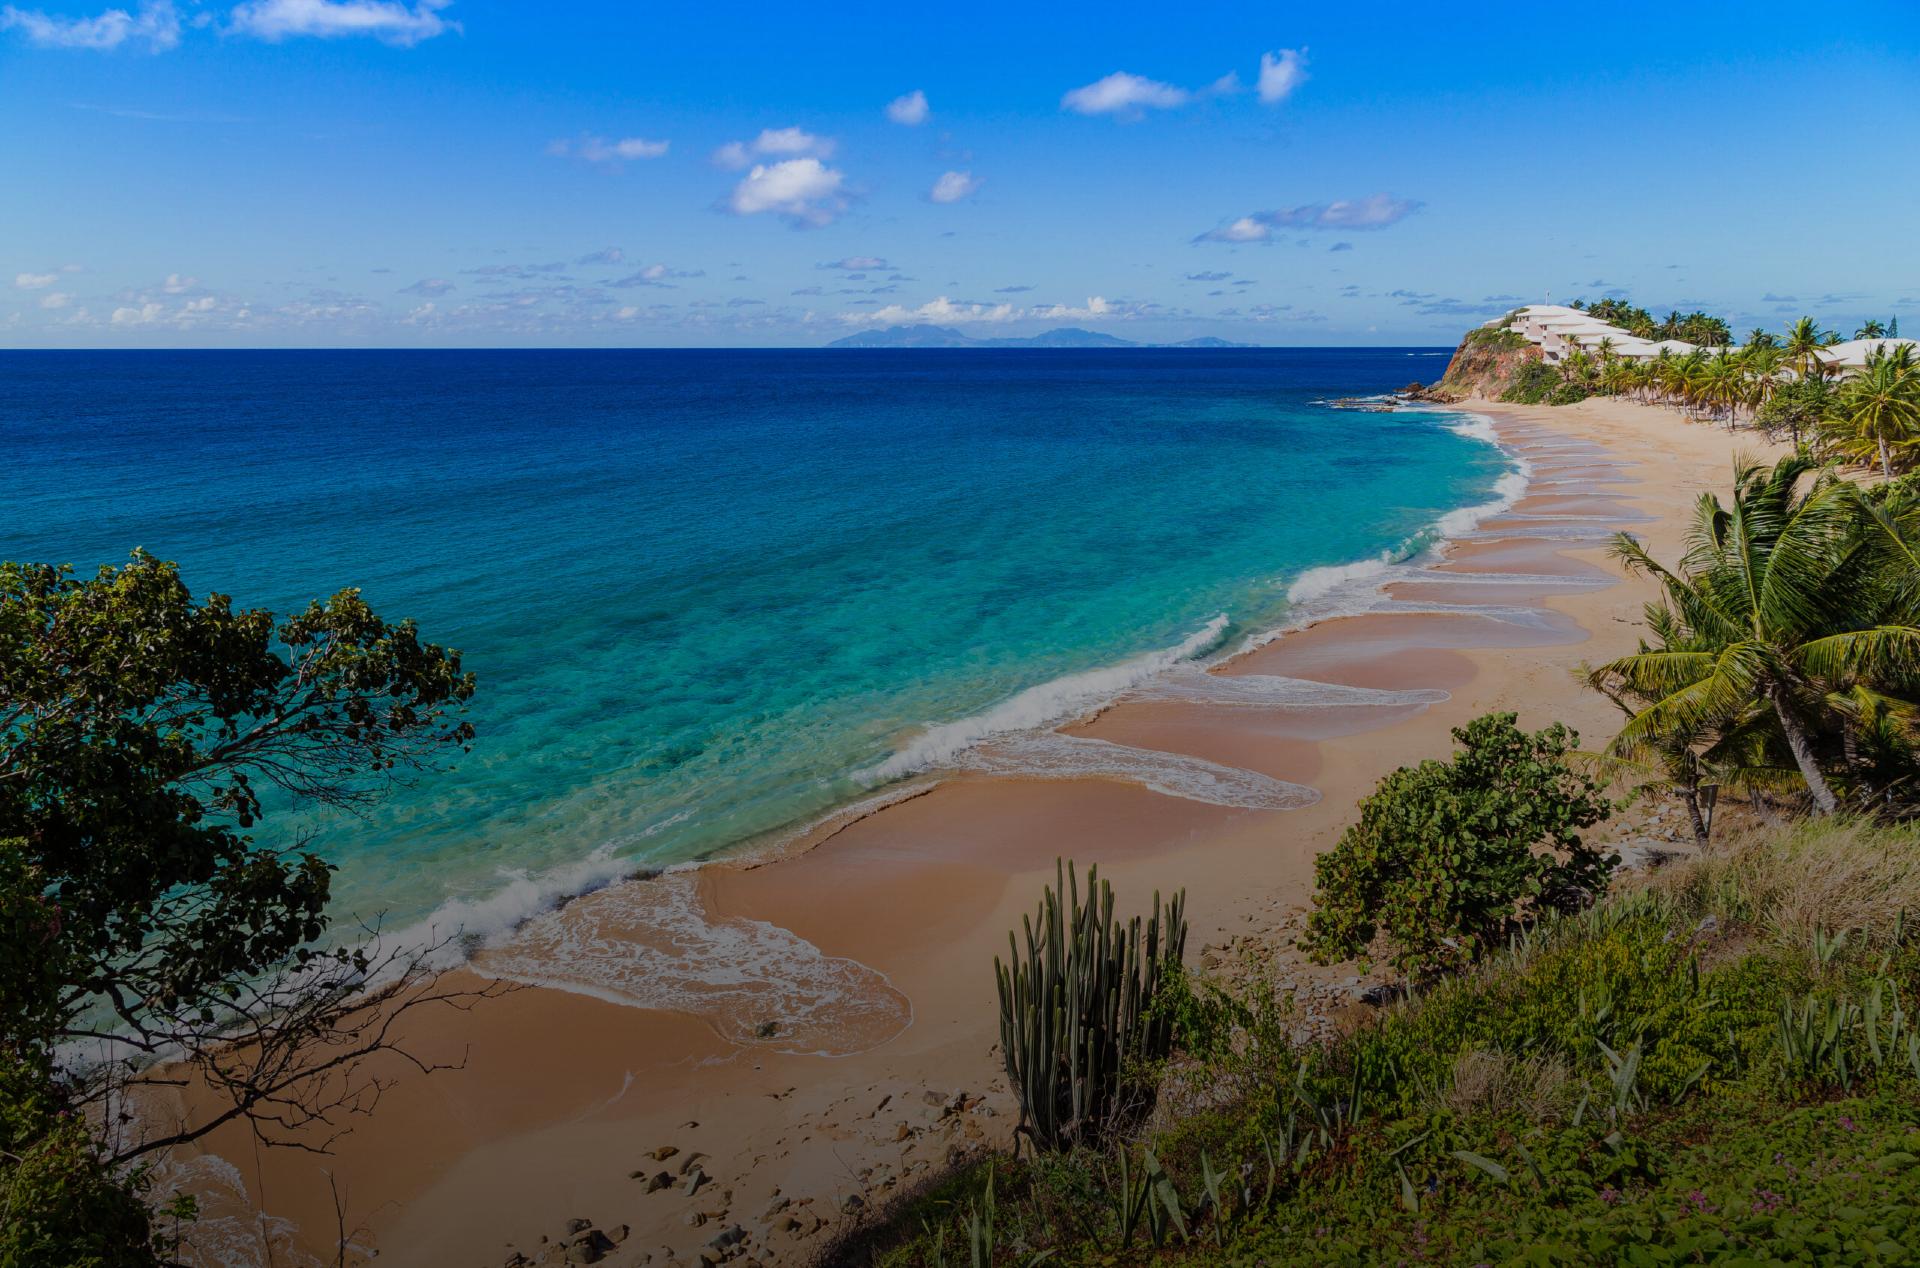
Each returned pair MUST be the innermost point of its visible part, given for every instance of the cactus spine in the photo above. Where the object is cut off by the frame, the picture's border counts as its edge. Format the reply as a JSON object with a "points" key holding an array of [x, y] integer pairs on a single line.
{"points": [[1076, 1016]]}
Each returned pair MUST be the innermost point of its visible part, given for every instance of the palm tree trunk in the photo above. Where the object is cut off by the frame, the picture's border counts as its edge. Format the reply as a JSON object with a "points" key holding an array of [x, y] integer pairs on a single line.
{"points": [[1691, 795], [1797, 741], [1886, 463]]}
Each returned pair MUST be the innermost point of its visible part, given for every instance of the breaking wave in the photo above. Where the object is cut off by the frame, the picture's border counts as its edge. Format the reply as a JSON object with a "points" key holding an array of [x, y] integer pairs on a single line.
{"points": [[1049, 703]]}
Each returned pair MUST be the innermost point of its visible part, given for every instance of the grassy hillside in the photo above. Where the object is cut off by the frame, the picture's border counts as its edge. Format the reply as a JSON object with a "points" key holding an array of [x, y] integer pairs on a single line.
{"points": [[1716, 1064]]}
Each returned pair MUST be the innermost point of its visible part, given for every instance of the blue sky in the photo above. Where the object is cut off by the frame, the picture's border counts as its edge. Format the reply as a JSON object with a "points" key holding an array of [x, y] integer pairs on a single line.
{"points": [[424, 173]]}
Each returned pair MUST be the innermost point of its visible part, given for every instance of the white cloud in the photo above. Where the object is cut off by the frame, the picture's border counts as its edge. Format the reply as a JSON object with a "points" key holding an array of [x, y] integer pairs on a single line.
{"points": [[428, 286], [1378, 211], [390, 20], [157, 25], [55, 299], [1281, 73], [178, 285], [910, 110], [35, 281], [1096, 307], [598, 149], [953, 186], [1245, 229], [856, 264], [145, 315], [657, 275], [945, 312], [942, 310], [772, 143], [804, 190], [1125, 95]]}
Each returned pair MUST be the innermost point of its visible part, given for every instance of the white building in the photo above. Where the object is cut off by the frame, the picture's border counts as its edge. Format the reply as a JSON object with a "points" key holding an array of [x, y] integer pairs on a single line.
{"points": [[1558, 330], [1851, 357]]}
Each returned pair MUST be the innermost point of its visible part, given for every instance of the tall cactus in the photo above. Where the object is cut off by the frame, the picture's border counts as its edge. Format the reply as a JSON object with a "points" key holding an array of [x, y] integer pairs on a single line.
{"points": [[1076, 1014]]}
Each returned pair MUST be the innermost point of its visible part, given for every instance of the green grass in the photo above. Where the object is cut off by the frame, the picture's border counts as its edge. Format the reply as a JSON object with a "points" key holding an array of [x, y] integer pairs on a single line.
{"points": [[1717, 1067]]}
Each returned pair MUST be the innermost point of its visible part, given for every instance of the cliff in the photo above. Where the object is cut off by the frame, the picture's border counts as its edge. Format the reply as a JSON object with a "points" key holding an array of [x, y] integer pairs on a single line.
{"points": [[1484, 364]]}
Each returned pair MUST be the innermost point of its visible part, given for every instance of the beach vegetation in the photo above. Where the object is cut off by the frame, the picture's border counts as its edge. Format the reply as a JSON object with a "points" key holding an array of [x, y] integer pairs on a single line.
{"points": [[1876, 413], [1448, 858], [62, 1201], [1532, 383], [1083, 1009], [1717, 1064], [1790, 621], [149, 943]]}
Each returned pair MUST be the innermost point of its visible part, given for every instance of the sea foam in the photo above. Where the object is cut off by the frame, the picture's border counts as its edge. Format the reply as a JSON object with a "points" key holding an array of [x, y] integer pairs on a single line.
{"points": [[1050, 755], [652, 944]]}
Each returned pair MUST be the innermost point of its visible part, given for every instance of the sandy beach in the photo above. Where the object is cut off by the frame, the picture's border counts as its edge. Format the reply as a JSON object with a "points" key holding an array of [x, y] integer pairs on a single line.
{"points": [[885, 927]]}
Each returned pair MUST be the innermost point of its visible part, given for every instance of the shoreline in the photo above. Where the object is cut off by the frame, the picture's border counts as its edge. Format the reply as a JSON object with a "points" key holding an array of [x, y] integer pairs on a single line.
{"points": [[566, 1093]]}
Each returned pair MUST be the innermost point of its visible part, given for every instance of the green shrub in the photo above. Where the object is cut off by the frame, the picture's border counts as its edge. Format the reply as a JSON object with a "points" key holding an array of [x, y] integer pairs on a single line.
{"points": [[1569, 393], [1449, 857], [1532, 384], [61, 1205]]}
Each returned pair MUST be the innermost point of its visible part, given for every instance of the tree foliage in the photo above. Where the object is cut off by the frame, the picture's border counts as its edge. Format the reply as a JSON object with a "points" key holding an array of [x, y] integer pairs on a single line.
{"points": [[62, 1204], [1447, 857], [144, 737], [1794, 609]]}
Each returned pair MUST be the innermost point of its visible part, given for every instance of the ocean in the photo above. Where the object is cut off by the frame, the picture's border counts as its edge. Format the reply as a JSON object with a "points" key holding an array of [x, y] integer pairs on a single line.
{"points": [[712, 596]]}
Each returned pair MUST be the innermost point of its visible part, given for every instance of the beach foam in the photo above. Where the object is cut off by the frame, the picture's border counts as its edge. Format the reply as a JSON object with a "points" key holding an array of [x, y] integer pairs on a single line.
{"points": [[1049, 755], [651, 944], [229, 1231], [1193, 685]]}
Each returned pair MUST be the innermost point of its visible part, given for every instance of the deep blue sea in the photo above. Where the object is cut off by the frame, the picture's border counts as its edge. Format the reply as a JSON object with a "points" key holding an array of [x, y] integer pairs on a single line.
{"points": [[712, 595]]}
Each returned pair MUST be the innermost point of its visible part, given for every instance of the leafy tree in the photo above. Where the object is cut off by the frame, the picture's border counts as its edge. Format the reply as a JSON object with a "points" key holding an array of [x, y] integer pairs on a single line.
{"points": [[142, 736], [1533, 383], [64, 1203], [1447, 857], [1780, 597], [1797, 408]]}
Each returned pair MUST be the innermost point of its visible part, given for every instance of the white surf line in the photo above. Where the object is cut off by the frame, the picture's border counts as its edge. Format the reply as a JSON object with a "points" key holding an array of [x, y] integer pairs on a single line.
{"points": [[1050, 755], [1433, 576], [1195, 686], [1045, 705]]}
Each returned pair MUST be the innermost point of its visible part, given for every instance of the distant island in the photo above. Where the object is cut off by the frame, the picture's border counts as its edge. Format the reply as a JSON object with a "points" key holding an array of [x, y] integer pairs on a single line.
{"points": [[1065, 337]]}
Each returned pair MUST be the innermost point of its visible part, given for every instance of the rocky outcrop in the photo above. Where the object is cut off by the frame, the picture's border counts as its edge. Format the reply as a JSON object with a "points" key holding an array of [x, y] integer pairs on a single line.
{"points": [[1483, 365]]}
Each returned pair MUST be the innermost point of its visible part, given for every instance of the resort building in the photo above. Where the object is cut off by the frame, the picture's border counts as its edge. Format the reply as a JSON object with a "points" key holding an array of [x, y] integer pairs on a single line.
{"points": [[1559, 331], [1851, 356]]}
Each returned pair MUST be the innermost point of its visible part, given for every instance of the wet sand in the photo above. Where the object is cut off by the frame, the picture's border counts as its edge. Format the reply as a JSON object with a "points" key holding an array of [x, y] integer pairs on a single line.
{"points": [[565, 1094]]}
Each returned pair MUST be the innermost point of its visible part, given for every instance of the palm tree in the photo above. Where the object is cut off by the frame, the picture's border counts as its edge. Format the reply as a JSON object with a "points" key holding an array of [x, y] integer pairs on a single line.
{"points": [[1804, 341], [1722, 384], [1695, 762], [1871, 329], [1879, 408], [1777, 598], [1761, 337], [1761, 364]]}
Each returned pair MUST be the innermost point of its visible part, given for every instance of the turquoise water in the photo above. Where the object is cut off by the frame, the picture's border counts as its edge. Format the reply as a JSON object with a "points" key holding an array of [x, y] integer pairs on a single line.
{"points": [[714, 595]]}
